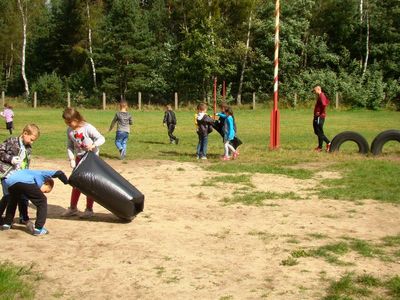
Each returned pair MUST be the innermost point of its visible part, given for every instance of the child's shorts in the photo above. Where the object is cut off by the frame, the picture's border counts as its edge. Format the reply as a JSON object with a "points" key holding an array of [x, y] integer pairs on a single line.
{"points": [[9, 125]]}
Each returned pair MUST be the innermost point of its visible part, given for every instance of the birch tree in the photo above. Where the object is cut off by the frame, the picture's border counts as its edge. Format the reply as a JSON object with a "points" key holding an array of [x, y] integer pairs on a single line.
{"points": [[23, 8], [239, 93], [89, 28]]}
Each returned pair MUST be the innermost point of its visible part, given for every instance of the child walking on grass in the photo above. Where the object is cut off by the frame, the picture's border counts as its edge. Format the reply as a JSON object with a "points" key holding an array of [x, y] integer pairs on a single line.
{"points": [[203, 124], [229, 134], [81, 137], [123, 119], [32, 184], [8, 115], [170, 121], [15, 154]]}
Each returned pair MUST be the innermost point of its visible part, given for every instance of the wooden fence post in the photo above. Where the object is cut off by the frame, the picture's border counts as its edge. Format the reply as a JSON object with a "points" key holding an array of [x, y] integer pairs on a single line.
{"points": [[254, 100], [104, 101], [34, 99], [337, 100], [140, 100], [295, 100], [3, 98], [176, 100], [68, 99]]}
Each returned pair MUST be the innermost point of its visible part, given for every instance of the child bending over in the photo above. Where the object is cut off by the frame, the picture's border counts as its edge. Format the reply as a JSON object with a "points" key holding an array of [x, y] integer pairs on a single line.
{"points": [[32, 184]]}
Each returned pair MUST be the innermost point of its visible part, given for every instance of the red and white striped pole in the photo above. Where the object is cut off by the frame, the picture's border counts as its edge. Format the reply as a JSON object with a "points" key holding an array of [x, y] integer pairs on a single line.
{"points": [[274, 128]]}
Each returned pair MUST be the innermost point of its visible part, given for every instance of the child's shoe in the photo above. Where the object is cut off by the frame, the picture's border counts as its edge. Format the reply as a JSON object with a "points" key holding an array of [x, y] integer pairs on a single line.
{"points": [[123, 154], [235, 154], [318, 149], [203, 157], [87, 214], [5, 227], [328, 147], [41, 231], [70, 212], [226, 158]]}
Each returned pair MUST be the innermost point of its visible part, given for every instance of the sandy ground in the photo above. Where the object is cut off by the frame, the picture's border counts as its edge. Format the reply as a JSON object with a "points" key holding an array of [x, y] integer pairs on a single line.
{"points": [[187, 244]]}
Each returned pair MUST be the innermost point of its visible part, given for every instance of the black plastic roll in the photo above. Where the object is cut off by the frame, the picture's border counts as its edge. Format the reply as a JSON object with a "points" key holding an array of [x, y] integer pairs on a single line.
{"points": [[98, 180]]}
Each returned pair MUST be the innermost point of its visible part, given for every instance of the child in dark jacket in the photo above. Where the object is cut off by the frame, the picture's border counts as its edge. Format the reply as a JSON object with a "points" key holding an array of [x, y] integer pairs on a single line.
{"points": [[170, 121], [203, 127], [15, 154], [33, 184]]}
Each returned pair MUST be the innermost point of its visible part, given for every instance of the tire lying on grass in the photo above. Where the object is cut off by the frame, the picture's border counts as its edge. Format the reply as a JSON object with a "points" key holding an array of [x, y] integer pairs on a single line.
{"points": [[346, 136], [382, 138]]}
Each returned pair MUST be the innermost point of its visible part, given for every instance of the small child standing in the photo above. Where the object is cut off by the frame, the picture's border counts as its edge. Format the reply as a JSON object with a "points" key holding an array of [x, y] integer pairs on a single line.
{"points": [[123, 119], [81, 137], [203, 124], [32, 184], [8, 115], [170, 121], [15, 154], [229, 133]]}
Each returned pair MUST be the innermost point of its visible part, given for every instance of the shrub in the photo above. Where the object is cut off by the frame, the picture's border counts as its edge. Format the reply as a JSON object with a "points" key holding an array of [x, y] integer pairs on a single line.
{"points": [[49, 88]]}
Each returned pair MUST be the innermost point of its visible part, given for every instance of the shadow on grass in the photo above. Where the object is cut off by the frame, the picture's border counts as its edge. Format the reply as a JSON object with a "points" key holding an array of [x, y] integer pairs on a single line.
{"points": [[187, 154], [153, 142]]}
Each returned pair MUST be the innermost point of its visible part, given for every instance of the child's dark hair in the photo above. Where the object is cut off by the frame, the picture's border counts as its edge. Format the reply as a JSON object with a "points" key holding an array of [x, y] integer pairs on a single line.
{"points": [[50, 182], [202, 106], [6, 105], [71, 114], [228, 111], [224, 105]]}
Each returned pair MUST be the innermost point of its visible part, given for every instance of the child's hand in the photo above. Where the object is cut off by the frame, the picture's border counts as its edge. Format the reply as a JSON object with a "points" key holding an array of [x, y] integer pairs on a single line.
{"points": [[72, 163], [90, 147], [16, 160]]}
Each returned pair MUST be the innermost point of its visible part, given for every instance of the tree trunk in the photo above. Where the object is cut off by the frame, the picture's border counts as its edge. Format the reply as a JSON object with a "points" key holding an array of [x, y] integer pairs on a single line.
{"points": [[90, 46], [24, 17], [366, 43], [239, 94]]}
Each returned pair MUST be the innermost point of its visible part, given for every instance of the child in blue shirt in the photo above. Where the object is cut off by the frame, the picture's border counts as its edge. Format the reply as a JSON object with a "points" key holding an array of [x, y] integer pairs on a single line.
{"points": [[229, 133], [33, 184]]}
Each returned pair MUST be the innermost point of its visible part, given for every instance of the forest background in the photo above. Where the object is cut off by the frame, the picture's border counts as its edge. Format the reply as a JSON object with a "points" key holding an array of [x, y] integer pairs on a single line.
{"points": [[159, 47]]}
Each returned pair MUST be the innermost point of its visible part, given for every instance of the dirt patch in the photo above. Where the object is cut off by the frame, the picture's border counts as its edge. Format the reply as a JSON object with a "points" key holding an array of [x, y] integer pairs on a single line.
{"points": [[187, 244]]}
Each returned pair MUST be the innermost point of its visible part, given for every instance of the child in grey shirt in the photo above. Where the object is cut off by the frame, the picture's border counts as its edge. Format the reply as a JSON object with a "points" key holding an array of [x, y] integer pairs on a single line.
{"points": [[123, 119]]}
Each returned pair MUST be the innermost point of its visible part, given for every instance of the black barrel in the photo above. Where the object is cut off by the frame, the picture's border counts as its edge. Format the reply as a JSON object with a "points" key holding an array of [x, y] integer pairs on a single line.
{"points": [[98, 180]]}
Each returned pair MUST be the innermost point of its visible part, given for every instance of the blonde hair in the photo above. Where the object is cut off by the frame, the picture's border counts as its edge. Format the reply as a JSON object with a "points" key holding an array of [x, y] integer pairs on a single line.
{"points": [[123, 104], [71, 114], [168, 107], [31, 129]]}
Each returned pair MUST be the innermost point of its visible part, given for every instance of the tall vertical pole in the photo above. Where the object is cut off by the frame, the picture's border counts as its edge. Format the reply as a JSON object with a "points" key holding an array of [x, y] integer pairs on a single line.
{"points": [[104, 101], [274, 128], [215, 96]]}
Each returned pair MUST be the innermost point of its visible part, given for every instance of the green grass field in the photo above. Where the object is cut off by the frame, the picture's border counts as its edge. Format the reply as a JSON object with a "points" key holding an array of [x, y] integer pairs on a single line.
{"points": [[364, 177]]}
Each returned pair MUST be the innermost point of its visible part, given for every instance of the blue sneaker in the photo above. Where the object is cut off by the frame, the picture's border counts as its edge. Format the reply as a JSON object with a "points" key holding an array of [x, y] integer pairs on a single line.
{"points": [[123, 154], [5, 227], [41, 231]]}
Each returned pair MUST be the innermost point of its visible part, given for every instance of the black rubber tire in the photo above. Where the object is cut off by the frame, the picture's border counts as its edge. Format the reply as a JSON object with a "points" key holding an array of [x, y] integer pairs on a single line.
{"points": [[345, 136], [382, 138]]}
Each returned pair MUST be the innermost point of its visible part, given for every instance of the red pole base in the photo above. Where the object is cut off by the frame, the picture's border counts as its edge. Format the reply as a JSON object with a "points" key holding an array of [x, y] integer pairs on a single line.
{"points": [[274, 130]]}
